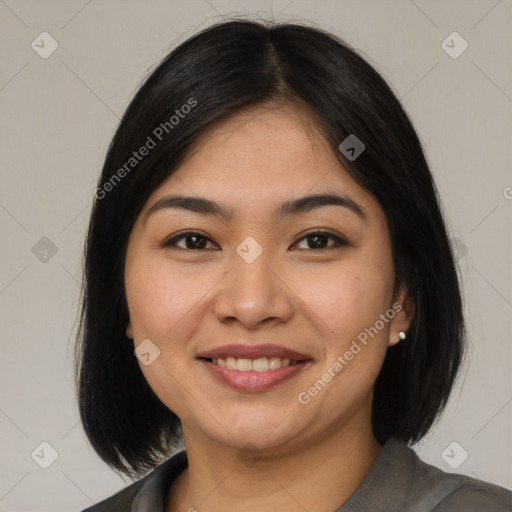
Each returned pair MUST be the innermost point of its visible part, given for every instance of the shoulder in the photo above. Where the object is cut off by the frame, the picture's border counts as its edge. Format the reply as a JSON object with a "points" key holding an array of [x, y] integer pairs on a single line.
{"points": [[122, 500], [400, 480], [433, 489], [148, 493], [472, 495]]}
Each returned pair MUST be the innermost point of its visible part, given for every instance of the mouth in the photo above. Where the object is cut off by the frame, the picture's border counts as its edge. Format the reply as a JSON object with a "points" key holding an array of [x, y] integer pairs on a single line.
{"points": [[262, 364], [253, 368]]}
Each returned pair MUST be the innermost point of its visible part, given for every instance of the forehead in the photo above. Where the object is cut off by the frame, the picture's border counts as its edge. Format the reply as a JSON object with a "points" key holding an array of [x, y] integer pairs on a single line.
{"points": [[262, 155], [269, 142]]}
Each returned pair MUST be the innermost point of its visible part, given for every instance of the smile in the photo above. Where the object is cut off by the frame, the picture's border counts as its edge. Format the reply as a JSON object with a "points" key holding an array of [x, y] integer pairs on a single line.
{"points": [[248, 367], [262, 364]]}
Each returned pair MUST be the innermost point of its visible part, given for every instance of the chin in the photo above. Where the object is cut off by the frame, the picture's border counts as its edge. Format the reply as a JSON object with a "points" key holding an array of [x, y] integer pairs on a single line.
{"points": [[263, 431]]}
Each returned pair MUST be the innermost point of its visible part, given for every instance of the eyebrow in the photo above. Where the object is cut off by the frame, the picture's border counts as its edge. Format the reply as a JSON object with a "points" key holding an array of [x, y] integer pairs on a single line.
{"points": [[296, 206]]}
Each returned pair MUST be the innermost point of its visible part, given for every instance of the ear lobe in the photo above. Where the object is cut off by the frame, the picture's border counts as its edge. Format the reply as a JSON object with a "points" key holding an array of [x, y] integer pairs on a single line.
{"points": [[403, 318], [400, 337], [129, 331]]}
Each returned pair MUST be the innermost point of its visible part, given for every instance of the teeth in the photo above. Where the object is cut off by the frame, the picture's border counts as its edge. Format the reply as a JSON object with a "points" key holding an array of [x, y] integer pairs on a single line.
{"points": [[262, 364], [275, 363], [231, 363], [244, 365]]}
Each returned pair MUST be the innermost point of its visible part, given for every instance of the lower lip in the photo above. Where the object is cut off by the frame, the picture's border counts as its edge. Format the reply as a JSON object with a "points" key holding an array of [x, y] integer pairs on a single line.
{"points": [[251, 380]]}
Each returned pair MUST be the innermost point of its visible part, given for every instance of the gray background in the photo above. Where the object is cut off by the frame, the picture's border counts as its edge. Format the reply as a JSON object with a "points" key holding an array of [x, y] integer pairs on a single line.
{"points": [[58, 116]]}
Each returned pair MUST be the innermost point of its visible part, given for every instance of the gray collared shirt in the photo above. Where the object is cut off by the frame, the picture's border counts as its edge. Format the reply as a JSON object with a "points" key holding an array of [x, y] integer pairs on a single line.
{"points": [[399, 481]]}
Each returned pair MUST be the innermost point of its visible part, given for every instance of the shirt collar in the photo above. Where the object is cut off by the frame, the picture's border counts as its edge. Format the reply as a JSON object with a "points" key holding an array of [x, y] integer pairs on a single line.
{"points": [[152, 495], [394, 458]]}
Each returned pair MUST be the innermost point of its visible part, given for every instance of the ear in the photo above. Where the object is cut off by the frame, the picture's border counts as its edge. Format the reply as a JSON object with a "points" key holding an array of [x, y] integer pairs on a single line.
{"points": [[129, 330], [404, 312]]}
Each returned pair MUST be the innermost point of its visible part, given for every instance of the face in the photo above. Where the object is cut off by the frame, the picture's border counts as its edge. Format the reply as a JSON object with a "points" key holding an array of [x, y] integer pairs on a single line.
{"points": [[268, 315]]}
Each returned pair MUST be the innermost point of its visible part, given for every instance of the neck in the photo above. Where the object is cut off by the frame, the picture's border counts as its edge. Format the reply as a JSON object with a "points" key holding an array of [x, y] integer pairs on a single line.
{"points": [[320, 476]]}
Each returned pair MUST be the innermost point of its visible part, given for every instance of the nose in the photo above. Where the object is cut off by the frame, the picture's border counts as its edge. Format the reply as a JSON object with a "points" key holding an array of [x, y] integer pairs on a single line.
{"points": [[253, 294]]}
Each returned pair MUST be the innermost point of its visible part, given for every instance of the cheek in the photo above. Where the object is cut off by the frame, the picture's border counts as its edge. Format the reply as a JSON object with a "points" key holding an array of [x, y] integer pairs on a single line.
{"points": [[162, 297], [347, 297], [164, 302]]}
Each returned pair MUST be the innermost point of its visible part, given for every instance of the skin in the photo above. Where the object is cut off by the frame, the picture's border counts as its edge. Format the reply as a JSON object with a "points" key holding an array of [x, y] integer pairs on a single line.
{"points": [[313, 300]]}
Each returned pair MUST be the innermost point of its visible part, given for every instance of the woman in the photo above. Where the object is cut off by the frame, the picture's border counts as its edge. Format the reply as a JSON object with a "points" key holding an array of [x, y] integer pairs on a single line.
{"points": [[268, 277]]}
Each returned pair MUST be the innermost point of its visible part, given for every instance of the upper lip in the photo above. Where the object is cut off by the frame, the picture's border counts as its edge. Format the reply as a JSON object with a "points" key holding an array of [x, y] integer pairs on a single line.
{"points": [[252, 352]]}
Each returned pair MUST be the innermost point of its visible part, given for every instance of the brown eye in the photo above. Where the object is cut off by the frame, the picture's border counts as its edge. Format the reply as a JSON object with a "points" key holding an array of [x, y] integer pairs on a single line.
{"points": [[189, 240], [320, 240]]}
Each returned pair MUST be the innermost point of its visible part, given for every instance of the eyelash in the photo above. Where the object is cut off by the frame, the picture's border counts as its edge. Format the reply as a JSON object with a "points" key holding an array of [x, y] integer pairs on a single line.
{"points": [[171, 243]]}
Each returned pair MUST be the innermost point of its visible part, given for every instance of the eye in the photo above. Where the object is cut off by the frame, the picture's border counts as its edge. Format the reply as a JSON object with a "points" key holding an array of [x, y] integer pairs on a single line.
{"points": [[319, 240], [193, 240]]}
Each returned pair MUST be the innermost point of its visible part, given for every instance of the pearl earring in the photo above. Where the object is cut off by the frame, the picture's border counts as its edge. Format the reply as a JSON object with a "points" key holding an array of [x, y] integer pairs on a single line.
{"points": [[401, 335]]}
